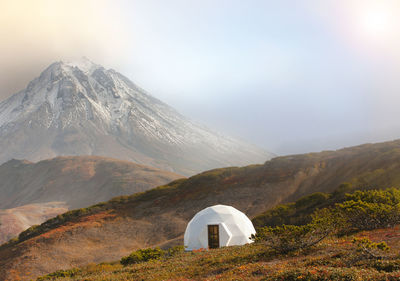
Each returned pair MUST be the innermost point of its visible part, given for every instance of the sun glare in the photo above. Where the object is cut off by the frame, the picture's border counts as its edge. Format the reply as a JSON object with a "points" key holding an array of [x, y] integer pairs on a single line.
{"points": [[377, 21], [375, 26]]}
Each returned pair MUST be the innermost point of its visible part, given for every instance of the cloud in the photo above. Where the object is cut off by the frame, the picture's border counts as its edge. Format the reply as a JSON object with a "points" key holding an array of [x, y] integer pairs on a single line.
{"points": [[36, 33]]}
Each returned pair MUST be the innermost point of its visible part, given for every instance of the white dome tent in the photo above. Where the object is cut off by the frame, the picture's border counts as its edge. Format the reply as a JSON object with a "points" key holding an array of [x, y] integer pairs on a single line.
{"points": [[218, 226]]}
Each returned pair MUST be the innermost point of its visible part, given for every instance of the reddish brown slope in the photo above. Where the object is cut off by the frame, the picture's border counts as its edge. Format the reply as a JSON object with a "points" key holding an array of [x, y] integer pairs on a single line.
{"points": [[159, 216]]}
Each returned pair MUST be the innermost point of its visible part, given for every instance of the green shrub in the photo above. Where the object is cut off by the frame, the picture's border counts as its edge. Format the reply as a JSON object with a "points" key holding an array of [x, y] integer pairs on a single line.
{"points": [[288, 238], [387, 266], [361, 210], [300, 212], [175, 251], [372, 209], [368, 249], [364, 215], [59, 273], [312, 200], [143, 255], [390, 196], [31, 231]]}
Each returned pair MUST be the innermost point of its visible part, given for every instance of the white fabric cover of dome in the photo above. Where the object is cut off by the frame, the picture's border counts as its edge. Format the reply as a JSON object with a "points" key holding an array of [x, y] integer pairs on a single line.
{"points": [[235, 228]]}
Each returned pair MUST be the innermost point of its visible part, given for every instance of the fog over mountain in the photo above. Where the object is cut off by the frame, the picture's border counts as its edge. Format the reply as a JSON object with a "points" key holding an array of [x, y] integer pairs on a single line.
{"points": [[81, 108]]}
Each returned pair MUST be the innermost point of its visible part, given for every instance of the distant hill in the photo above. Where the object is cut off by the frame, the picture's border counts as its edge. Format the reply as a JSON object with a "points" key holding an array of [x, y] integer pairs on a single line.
{"points": [[31, 193], [78, 181], [107, 231], [81, 108], [16, 220]]}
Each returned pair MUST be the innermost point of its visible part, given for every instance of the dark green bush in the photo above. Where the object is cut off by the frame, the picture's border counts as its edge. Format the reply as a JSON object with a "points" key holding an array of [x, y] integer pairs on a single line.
{"points": [[283, 238], [362, 215], [300, 212], [390, 196], [143, 255], [361, 210], [59, 273], [175, 250], [287, 238], [368, 249], [28, 232], [387, 266]]}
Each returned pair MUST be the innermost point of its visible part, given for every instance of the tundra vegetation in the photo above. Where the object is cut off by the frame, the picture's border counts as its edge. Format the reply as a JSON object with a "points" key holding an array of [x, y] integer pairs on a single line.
{"points": [[337, 236]]}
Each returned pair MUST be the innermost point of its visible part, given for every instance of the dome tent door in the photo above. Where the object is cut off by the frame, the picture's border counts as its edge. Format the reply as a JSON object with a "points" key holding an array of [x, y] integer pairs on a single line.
{"points": [[213, 236]]}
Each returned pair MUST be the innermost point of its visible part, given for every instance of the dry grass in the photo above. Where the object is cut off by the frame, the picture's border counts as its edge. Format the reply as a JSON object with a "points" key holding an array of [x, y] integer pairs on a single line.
{"points": [[331, 260]]}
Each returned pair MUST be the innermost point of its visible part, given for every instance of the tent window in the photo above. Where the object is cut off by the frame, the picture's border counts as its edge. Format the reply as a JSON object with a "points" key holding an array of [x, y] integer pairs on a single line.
{"points": [[213, 236]]}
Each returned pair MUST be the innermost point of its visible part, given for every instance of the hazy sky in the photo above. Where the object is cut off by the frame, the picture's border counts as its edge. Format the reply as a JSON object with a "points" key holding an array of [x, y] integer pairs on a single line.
{"points": [[289, 76]]}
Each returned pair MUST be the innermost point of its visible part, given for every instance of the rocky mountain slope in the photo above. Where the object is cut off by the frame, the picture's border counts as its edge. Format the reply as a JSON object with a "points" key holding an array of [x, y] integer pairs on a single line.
{"points": [[81, 108], [107, 231]]}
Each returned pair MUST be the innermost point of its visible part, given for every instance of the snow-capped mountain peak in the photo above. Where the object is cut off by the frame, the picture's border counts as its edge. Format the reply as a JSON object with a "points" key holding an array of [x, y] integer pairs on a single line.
{"points": [[79, 107], [84, 64]]}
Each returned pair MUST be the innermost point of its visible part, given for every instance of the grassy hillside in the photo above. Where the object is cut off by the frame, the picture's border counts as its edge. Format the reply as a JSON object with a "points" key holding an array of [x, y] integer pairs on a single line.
{"points": [[158, 217], [337, 254], [333, 259]]}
